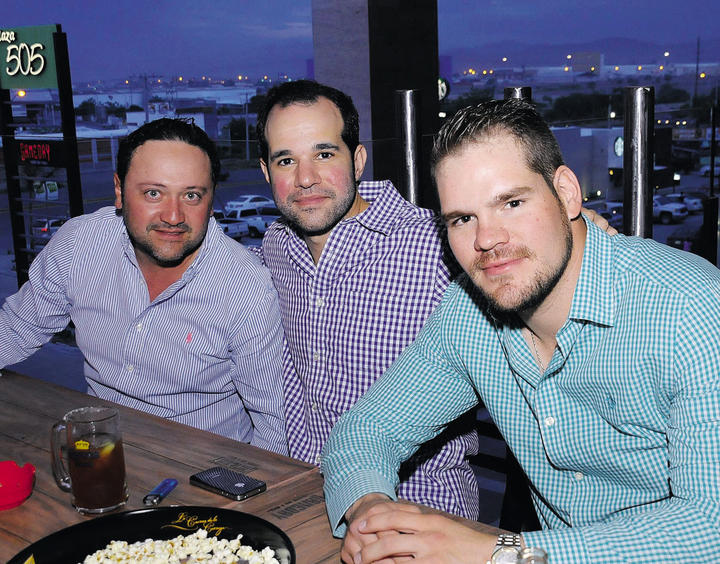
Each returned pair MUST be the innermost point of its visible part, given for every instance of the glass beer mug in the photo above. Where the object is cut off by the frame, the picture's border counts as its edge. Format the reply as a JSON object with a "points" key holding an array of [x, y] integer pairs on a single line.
{"points": [[96, 464]]}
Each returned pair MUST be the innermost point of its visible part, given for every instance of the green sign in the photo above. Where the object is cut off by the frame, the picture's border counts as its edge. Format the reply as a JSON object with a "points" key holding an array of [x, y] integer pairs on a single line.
{"points": [[27, 57]]}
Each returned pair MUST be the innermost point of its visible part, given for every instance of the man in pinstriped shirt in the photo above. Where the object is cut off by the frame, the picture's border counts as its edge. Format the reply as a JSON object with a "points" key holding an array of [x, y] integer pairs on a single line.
{"points": [[597, 358], [172, 316]]}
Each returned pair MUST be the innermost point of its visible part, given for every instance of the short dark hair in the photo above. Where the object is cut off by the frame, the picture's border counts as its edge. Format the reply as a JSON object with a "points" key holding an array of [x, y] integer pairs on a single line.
{"points": [[308, 92], [166, 129], [514, 116]]}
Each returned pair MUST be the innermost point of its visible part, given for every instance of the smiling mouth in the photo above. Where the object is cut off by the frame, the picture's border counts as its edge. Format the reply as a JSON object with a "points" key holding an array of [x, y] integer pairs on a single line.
{"points": [[310, 201], [500, 266], [170, 233]]}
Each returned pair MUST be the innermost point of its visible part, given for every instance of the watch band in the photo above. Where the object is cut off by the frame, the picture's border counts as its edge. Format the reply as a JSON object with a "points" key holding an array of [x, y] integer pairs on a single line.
{"points": [[507, 548]]}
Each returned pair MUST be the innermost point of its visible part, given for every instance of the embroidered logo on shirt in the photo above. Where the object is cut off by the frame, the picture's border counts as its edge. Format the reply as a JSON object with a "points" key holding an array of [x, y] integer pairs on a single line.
{"points": [[188, 338]]}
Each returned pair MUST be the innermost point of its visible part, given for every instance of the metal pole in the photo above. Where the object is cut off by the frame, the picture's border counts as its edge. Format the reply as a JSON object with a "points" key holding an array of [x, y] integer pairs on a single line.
{"points": [[713, 125], [247, 130], [407, 103], [519, 92], [638, 160], [67, 117]]}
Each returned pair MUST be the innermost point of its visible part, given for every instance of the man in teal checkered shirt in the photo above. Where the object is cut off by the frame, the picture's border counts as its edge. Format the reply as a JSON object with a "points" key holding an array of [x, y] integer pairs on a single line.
{"points": [[598, 359]]}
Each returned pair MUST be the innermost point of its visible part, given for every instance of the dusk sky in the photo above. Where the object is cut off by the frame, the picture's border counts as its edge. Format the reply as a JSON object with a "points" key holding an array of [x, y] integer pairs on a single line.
{"points": [[230, 37]]}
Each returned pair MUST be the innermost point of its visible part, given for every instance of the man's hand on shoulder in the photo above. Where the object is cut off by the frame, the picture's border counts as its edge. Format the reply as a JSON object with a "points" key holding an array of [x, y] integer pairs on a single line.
{"points": [[380, 529], [600, 221]]}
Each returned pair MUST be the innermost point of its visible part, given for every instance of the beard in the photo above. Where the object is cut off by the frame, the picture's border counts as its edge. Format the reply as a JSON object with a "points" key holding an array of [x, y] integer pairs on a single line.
{"points": [[319, 222], [509, 299], [316, 221], [164, 257]]}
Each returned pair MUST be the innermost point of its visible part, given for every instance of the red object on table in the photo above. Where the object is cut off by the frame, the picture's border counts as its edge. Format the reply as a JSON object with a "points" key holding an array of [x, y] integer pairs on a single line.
{"points": [[16, 483]]}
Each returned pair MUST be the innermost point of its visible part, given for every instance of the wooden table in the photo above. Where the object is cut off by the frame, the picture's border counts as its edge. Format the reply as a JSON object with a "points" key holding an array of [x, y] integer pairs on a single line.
{"points": [[155, 449]]}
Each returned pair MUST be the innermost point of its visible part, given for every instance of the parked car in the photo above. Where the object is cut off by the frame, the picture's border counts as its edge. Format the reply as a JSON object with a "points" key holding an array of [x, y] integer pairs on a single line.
{"points": [[266, 216], [614, 207], [685, 238], [666, 211], [692, 203], [44, 228], [247, 201], [598, 206], [259, 219], [235, 228], [705, 170]]}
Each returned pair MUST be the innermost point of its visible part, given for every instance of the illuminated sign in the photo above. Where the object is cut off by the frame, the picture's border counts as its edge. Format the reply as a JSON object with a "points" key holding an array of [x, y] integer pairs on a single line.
{"points": [[50, 153], [34, 152], [27, 57]]}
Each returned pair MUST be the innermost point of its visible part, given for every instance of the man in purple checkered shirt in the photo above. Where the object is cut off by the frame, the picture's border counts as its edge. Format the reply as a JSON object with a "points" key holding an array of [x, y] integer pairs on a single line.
{"points": [[358, 270]]}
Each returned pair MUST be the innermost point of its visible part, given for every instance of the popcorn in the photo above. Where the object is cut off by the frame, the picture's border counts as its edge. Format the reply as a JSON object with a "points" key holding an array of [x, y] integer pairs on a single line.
{"points": [[197, 548]]}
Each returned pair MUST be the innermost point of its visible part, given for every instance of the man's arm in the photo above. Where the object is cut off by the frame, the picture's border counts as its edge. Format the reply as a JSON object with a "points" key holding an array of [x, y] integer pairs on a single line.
{"points": [[257, 354], [30, 317], [413, 402]]}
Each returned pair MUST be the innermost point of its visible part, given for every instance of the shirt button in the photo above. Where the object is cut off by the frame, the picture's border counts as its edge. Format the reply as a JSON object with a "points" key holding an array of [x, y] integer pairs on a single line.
{"points": [[316, 356], [319, 302], [549, 421], [139, 327], [314, 407], [317, 459], [130, 367], [579, 475]]}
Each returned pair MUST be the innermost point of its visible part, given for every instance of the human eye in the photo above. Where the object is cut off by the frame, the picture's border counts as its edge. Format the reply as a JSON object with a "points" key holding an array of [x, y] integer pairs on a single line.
{"points": [[152, 194], [193, 196], [458, 220], [513, 203], [284, 162], [322, 155]]}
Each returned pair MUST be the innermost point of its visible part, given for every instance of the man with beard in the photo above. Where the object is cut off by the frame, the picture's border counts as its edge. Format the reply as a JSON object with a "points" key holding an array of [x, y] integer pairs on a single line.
{"points": [[172, 316], [358, 269], [596, 356]]}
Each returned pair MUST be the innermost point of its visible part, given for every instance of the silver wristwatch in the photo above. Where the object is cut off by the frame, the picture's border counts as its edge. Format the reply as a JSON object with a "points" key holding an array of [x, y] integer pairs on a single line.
{"points": [[507, 549]]}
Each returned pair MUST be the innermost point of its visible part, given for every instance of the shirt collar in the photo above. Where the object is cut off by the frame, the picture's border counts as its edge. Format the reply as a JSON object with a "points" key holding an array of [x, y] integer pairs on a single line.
{"points": [[594, 299], [385, 209]]}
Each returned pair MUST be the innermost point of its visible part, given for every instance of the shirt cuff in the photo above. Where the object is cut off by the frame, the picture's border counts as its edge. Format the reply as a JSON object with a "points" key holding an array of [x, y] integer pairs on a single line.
{"points": [[570, 543], [341, 497]]}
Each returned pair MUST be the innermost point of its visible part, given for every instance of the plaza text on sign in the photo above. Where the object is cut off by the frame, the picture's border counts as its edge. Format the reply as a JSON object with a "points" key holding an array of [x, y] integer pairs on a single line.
{"points": [[27, 57]]}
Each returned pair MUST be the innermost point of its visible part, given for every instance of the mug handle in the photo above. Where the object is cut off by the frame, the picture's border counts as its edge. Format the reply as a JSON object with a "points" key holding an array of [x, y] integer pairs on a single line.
{"points": [[58, 466]]}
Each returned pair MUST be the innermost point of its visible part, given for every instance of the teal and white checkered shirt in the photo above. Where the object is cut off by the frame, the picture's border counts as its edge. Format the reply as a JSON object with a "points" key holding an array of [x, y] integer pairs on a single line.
{"points": [[621, 435]]}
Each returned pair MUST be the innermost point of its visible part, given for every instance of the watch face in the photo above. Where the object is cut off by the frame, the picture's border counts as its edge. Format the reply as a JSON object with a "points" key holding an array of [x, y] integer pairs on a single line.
{"points": [[505, 555]]}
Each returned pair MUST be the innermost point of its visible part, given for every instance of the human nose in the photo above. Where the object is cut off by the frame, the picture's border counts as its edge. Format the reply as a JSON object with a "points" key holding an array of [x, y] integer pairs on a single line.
{"points": [[305, 175], [489, 235], [172, 212]]}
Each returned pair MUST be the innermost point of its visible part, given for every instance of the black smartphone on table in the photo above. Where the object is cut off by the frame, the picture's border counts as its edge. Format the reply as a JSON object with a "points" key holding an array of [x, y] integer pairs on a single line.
{"points": [[228, 483]]}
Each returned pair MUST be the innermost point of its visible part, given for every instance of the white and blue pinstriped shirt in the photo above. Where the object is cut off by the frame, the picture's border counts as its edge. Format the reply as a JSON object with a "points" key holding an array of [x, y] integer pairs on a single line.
{"points": [[206, 352], [349, 317], [621, 435]]}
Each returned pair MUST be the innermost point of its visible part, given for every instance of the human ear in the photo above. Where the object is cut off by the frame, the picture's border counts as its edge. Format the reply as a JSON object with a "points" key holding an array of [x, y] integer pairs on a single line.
{"points": [[568, 190]]}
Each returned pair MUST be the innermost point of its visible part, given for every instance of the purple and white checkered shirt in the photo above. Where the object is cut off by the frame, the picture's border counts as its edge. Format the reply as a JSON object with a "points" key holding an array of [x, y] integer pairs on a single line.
{"points": [[349, 317]]}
